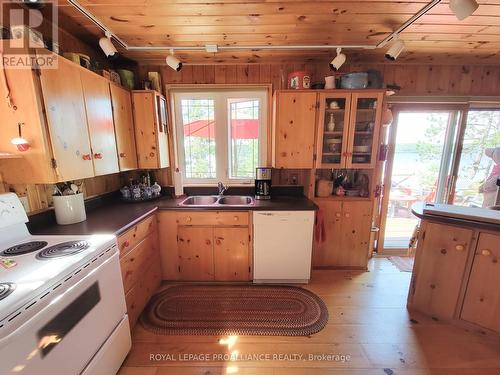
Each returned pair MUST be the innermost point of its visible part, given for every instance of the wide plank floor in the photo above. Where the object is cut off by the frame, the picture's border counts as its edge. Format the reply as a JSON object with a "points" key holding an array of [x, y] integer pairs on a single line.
{"points": [[369, 332]]}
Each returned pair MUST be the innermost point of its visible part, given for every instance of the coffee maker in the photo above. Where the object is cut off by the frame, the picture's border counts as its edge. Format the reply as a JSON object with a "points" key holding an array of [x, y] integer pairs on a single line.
{"points": [[263, 183]]}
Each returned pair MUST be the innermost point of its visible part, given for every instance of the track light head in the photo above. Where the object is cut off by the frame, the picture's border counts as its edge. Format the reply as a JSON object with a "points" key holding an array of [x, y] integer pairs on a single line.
{"points": [[338, 61], [395, 50], [463, 8], [174, 62], [108, 48]]}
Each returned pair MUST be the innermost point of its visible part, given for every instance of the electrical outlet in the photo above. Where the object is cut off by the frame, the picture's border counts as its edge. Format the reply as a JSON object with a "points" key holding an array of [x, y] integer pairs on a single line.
{"points": [[25, 203]]}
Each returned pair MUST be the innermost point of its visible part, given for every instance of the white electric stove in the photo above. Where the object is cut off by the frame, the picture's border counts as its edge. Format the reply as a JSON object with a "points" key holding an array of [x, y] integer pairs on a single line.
{"points": [[62, 306]]}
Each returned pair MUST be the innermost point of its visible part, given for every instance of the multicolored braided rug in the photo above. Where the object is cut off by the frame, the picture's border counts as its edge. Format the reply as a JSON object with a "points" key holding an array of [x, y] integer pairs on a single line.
{"points": [[235, 310]]}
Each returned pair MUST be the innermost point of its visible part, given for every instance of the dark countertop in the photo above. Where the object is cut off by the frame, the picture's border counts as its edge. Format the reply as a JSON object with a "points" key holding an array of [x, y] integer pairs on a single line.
{"points": [[116, 216], [446, 218]]}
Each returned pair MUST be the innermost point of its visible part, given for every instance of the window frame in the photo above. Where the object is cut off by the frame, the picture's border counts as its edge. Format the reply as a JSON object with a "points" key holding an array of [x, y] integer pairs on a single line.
{"points": [[222, 134]]}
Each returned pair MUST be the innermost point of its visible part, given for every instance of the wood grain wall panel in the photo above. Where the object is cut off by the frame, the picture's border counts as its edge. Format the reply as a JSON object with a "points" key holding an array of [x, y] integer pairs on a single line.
{"points": [[449, 80]]}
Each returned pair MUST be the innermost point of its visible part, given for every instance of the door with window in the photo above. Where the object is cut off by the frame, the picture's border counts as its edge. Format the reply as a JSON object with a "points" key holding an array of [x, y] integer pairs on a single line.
{"points": [[421, 147], [221, 135], [440, 154]]}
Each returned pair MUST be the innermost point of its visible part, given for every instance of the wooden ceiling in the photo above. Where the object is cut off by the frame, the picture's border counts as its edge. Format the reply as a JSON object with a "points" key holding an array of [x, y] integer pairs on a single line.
{"points": [[437, 37]]}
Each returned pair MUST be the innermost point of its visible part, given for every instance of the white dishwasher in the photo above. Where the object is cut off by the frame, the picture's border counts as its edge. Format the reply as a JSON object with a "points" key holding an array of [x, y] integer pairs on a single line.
{"points": [[282, 246]]}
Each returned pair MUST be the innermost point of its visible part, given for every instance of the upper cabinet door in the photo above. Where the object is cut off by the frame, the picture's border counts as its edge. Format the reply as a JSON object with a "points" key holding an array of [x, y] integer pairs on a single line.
{"points": [[100, 123], [124, 127], [294, 127], [67, 121], [146, 120], [364, 129], [162, 127], [333, 130]]}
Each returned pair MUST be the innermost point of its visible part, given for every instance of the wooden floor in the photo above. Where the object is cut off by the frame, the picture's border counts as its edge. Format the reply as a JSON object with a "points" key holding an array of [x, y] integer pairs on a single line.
{"points": [[369, 327]]}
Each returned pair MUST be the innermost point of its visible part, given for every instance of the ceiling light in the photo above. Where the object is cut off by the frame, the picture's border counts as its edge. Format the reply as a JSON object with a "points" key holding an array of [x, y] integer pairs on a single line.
{"points": [[338, 61], [107, 47], [174, 62], [463, 8], [395, 50]]}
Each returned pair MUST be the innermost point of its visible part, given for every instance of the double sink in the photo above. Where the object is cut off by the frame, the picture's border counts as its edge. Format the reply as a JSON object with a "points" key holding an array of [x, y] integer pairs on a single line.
{"points": [[217, 200]]}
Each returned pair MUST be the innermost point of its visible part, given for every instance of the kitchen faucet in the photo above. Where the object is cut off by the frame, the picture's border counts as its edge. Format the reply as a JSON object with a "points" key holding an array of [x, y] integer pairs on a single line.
{"points": [[222, 188]]}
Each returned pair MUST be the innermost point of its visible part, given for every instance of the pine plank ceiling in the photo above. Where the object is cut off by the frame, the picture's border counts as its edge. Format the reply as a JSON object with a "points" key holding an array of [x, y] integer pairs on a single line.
{"points": [[437, 37]]}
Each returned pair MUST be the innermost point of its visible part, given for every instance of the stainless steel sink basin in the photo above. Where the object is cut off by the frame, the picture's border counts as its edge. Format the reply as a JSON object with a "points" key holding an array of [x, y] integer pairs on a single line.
{"points": [[235, 200], [213, 200], [199, 200]]}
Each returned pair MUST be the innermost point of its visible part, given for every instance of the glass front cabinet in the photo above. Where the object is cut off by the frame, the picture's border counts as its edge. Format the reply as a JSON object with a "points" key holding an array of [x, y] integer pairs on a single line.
{"points": [[348, 129]]}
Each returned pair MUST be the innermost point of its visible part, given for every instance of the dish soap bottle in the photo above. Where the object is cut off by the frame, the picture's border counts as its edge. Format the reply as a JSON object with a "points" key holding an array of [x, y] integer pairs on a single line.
{"points": [[331, 123]]}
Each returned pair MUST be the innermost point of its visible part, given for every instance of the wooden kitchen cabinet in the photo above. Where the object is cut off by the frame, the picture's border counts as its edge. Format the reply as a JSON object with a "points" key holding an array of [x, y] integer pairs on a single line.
{"points": [[66, 116], [231, 254], [67, 121], [346, 124], [100, 123], [205, 245], [294, 129], [123, 118], [347, 226], [348, 129], [437, 279], [150, 129], [196, 253], [482, 300], [140, 265]]}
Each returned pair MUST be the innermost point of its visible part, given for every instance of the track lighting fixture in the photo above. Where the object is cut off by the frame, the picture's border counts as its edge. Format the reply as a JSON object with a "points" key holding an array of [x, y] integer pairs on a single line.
{"points": [[395, 50], [338, 61], [107, 47], [463, 8], [173, 62]]}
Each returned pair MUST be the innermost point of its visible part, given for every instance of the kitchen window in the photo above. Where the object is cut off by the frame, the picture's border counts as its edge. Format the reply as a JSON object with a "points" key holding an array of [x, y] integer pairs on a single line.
{"points": [[221, 135]]}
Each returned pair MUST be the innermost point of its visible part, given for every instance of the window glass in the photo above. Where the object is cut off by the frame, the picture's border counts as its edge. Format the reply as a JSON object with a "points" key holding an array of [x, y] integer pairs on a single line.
{"points": [[198, 121], [244, 137], [478, 170]]}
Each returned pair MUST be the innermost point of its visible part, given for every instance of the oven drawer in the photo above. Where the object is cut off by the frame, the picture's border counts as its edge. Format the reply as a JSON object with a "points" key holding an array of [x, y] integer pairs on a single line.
{"points": [[213, 218], [135, 262], [137, 298], [136, 234]]}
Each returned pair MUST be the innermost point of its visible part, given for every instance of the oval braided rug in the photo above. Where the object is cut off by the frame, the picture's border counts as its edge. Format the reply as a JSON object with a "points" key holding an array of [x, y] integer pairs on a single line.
{"points": [[235, 310]]}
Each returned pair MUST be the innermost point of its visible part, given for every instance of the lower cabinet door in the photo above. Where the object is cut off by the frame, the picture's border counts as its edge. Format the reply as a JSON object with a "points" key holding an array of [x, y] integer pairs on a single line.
{"points": [[231, 254], [195, 248], [327, 251], [356, 229], [441, 267], [482, 299]]}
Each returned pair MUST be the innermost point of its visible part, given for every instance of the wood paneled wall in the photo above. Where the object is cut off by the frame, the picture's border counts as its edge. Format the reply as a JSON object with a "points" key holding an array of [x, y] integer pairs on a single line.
{"points": [[413, 79]]}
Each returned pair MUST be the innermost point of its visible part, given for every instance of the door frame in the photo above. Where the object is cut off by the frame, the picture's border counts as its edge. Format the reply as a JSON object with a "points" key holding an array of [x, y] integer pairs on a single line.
{"points": [[397, 108]]}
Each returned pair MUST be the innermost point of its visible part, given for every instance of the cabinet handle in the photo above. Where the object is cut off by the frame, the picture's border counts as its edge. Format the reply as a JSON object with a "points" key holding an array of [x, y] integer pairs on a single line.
{"points": [[87, 157], [152, 154], [347, 214], [460, 247], [338, 214], [236, 218], [486, 252], [98, 156], [126, 244], [188, 219], [217, 242], [123, 155]]}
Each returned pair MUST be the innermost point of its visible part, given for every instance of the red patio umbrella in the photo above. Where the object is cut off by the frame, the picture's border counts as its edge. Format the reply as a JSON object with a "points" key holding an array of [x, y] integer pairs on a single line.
{"points": [[240, 129]]}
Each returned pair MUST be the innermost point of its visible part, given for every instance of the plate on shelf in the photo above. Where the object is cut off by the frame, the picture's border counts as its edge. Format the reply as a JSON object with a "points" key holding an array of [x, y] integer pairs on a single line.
{"points": [[361, 148]]}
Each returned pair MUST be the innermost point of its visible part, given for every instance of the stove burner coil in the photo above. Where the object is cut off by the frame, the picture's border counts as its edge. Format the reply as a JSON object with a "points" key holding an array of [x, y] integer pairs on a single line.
{"points": [[63, 249], [6, 289], [24, 248]]}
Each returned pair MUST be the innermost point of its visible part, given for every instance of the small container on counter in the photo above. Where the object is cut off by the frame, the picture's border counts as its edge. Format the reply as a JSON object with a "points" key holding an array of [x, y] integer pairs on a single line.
{"points": [[69, 209]]}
